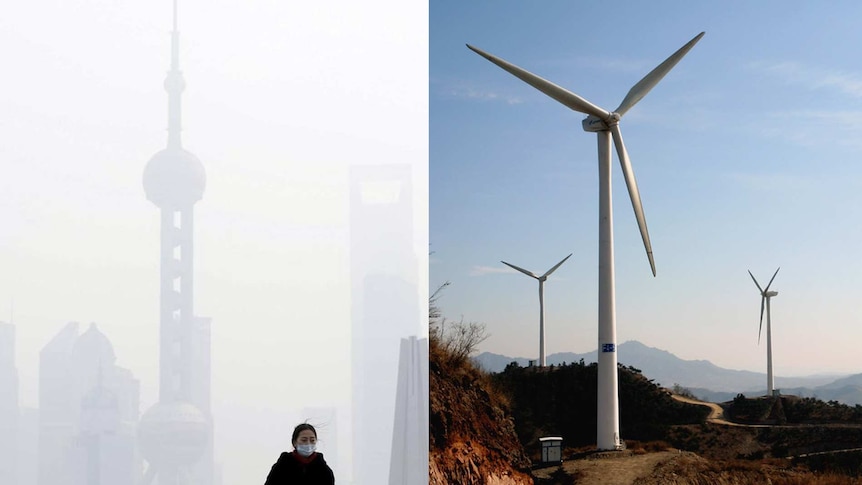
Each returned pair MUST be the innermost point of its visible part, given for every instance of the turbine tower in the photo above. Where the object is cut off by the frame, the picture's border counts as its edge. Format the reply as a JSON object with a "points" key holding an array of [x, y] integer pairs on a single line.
{"points": [[765, 296], [541, 302], [606, 125], [176, 433]]}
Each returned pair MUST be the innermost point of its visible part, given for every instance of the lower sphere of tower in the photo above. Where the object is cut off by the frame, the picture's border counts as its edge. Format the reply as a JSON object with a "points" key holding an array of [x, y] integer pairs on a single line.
{"points": [[173, 434], [174, 178]]}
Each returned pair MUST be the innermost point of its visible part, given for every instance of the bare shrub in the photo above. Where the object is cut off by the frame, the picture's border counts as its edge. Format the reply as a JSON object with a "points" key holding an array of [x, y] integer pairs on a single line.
{"points": [[454, 340], [683, 391], [458, 340]]}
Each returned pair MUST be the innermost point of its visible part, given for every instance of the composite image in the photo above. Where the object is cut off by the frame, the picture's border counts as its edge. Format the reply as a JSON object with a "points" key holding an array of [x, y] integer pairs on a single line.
{"points": [[430, 243]]}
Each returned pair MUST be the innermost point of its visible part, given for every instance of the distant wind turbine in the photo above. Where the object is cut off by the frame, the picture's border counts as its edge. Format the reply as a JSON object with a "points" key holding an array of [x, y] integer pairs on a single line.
{"points": [[606, 125], [541, 302], [765, 296]]}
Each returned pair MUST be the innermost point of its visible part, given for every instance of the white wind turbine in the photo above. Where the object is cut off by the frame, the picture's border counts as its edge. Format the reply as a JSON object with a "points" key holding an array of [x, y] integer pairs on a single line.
{"points": [[541, 302], [765, 296], [606, 125]]}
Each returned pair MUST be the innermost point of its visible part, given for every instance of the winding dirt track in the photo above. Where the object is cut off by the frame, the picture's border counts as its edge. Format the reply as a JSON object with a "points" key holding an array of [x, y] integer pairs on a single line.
{"points": [[716, 414]]}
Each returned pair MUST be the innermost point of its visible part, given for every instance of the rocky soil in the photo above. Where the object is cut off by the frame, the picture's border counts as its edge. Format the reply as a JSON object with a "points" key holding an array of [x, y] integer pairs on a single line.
{"points": [[473, 439]]}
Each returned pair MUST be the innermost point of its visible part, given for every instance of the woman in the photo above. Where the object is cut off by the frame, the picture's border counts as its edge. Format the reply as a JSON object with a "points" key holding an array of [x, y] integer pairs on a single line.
{"points": [[302, 466]]}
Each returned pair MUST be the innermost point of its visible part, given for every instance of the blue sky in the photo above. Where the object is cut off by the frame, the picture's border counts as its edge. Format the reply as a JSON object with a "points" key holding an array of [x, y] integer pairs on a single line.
{"points": [[747, 156]]}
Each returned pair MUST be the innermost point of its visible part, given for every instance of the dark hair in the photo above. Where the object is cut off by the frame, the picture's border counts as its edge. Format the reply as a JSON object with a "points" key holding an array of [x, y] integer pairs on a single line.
{"points": [[300, 428]]}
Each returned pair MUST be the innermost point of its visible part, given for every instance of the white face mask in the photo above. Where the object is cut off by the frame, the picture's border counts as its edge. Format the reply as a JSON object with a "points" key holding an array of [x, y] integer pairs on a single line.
{"points": [[305, 450]]}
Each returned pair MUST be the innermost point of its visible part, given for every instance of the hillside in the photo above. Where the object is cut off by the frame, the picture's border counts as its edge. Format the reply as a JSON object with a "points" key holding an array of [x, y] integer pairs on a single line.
{"points": [[481, 424], [561, 401], [473, 438]]}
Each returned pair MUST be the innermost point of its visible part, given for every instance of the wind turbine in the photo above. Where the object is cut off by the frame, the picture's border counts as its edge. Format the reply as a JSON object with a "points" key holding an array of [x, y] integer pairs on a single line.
{"points": [[541, 302], [765, 296], [606, 125]]}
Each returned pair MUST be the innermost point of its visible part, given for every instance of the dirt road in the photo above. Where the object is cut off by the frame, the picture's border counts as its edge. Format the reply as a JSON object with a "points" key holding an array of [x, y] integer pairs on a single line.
{"points": [[620, 468], [716, 414]]}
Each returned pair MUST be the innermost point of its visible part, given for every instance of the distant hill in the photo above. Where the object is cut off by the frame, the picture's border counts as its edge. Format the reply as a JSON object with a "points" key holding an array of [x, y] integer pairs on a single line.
{"points": [[705, 379]]}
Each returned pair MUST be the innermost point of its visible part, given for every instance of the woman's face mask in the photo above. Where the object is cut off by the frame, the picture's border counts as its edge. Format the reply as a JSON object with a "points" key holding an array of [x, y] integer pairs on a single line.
{"points": [[305, 450]]}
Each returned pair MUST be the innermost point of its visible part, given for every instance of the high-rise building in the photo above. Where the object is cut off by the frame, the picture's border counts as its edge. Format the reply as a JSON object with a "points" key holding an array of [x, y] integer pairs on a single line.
{"points": [[107, 402], [9, 411], [57, 411], [88, 409], [384, 306], [28, 446], [176, 434], [409, 464]]}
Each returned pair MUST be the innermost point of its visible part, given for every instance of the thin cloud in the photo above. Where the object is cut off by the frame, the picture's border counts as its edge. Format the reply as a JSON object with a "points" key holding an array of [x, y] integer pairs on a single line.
{"points": [[806, 128], [484, 270], [479, 270], [813, 78], [462, 91]]}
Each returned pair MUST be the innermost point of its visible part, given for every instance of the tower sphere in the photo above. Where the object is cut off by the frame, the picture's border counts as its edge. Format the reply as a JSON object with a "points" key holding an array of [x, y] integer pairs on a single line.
{"points": [[173, 434], [174, 177], [175, 83]]}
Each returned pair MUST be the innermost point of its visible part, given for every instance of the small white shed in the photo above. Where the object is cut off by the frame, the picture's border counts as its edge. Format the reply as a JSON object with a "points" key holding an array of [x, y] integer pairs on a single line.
{"points": [[552, 449]]}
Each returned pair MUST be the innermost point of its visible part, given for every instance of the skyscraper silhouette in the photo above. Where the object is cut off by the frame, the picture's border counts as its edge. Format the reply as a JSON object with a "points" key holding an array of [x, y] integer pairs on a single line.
{"points": [[176, 433], [9, 411], [385, 306], [88, 408]]}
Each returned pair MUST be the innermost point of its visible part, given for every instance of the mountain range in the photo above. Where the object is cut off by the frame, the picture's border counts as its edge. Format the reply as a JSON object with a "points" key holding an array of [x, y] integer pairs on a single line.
{"points": [[703, 378]]}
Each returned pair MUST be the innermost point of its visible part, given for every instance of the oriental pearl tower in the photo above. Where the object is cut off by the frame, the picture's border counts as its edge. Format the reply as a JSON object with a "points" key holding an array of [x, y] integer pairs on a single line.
{"points": [[176, 433]]}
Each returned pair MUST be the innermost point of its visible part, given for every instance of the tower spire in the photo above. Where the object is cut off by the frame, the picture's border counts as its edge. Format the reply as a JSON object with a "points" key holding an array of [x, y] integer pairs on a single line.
{"points": [[174, 85]]}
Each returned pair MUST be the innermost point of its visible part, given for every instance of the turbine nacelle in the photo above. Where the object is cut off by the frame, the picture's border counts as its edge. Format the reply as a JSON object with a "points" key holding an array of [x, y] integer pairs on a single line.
{"points": [[594, 124], [770, 294]]}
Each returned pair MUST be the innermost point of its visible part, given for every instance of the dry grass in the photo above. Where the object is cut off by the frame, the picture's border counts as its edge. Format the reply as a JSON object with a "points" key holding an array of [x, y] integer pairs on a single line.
{"points": [[812, 479]]}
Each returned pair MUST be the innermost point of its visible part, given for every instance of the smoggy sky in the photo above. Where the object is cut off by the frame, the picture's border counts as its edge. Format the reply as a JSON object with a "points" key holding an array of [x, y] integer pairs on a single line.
{"points": [[281, 98], [747, 156]]}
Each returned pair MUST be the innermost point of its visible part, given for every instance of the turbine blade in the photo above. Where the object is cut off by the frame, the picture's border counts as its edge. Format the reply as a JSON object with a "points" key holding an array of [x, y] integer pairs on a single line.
{"points": [[556, 266], [639, 90], [756, 283], [564, 96], [522, 270], [770, 281], [634, 194], [760, 330]]}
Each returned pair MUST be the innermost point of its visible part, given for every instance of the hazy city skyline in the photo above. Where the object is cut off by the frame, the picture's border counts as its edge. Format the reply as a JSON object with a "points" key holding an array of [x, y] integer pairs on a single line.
{"points": [[277, 125]]}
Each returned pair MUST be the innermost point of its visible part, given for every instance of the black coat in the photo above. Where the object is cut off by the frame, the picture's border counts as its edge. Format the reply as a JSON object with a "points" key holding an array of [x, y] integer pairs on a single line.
{"points": [[288, 470]]}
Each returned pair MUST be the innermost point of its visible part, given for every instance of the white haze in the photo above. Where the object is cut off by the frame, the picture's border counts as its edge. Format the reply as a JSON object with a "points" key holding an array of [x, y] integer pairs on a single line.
{"points": [[281, 98]]}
